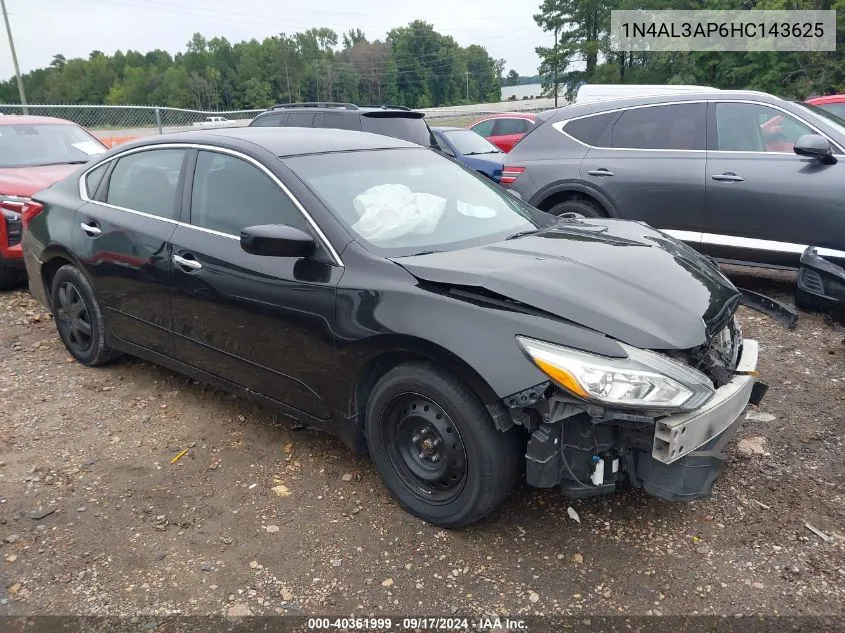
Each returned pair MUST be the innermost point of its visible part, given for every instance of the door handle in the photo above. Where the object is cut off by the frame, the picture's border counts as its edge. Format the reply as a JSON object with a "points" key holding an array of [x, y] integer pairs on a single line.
{"points": [[728, 177], [600, 172], [92, 230], [186, 262]]}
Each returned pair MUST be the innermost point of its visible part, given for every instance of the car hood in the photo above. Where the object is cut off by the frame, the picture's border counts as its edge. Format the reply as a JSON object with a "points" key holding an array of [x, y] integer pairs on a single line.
{"points": [[620, 278], [26, 181]]}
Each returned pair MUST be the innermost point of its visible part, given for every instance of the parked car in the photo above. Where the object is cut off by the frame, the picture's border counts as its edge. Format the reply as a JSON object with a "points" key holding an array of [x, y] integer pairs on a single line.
{"points": [[504, 130], [212, 120], [835, 104], [589, 93], [396, 121], [35, 152], [472, 150], [744, 177], [377, 290]]}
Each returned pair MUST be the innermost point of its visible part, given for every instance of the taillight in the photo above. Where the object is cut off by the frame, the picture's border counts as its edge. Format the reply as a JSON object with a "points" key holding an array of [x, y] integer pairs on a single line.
{"points": [[510, 174], [29, 211]]}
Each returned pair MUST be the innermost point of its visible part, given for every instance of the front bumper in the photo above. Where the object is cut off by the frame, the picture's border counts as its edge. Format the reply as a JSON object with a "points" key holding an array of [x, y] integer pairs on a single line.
{"points": [[680, 434]]}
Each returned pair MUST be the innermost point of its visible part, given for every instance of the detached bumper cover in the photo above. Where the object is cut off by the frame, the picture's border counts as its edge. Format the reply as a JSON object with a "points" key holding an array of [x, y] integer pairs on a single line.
{"points": [[680, 434]]}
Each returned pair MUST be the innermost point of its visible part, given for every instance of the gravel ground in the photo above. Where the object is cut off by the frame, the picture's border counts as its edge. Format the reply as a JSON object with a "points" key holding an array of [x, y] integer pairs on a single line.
{"points": [[261, 517]]}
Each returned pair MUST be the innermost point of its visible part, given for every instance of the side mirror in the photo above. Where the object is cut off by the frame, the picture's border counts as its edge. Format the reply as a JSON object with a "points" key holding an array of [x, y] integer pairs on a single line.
{"points": [[277, 240], [815, 146]]}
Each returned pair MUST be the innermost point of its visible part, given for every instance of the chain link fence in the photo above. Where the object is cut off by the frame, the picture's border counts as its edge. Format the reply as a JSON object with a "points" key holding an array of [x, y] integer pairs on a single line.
{"points": [[117, 124]]}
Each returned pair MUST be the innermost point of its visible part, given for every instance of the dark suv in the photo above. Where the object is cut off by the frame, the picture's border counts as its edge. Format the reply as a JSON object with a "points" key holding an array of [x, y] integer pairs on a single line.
{"points": [[741, 176], [388, 120]]}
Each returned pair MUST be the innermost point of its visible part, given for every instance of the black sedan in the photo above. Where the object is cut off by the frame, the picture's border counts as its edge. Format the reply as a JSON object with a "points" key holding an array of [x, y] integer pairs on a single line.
{"points": [[377, 290]]}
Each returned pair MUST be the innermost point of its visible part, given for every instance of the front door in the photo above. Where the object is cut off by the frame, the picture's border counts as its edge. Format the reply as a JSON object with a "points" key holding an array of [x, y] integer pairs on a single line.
{"points": [[264, 323], [651, 166], [765, 204], [122, 239]]}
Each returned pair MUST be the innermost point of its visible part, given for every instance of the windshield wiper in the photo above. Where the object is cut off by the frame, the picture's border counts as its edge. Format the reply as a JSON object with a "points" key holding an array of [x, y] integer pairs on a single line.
{"points": [[423, 253], [522, 234], [479, 153]]}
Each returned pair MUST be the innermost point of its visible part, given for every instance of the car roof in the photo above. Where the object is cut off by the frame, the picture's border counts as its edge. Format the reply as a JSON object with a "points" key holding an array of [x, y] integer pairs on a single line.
{"points": [[826, 99], [288, 141], [507, 115], [26, 119], [591, 107]]}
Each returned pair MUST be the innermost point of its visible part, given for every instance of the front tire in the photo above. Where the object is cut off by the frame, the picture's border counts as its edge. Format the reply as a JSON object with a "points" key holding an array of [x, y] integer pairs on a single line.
{"points": [[11, 277], [79, 318], [581, 206], [436, 448]]}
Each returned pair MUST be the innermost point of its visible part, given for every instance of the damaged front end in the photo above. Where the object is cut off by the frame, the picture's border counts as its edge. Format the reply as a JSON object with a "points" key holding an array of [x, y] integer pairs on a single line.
{"points": [[590, 448]]}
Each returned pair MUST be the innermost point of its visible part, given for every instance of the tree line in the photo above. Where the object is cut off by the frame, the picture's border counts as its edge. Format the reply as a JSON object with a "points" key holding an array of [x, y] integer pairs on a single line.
{"points": [[583, 53], [414, 66]]}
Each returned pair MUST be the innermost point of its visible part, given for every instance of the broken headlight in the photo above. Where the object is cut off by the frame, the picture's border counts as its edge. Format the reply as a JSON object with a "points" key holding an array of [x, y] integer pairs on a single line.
{"points": [[642, 380]]}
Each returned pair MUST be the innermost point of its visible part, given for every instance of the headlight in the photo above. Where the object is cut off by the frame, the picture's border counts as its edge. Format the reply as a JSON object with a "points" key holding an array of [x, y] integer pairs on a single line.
{"points": [[643, 380]]}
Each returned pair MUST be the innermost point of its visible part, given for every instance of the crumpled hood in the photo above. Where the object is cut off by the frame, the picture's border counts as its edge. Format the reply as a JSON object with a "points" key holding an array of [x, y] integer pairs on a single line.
{"points": [[27, 181], [618, 277]]}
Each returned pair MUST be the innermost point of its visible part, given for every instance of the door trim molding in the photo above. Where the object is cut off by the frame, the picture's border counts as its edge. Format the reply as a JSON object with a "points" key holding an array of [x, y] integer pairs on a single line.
{"points": [[750, 243]]}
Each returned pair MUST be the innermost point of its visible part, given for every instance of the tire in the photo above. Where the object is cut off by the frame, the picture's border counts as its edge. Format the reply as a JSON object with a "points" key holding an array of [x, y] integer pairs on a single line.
{"points": [[11, 277], [79, 319], [582, 206], [436, 448]]}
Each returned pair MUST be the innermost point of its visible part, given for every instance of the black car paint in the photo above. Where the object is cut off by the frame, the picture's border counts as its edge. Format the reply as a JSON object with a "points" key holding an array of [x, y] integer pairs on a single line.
{"points": [[307, 336]]}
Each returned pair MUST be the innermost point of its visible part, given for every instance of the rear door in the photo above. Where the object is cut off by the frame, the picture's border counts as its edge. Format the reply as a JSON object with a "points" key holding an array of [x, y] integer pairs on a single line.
{"points": [[122, 238], [264, 323], [508, 131], [765, 203], [650, 163]]}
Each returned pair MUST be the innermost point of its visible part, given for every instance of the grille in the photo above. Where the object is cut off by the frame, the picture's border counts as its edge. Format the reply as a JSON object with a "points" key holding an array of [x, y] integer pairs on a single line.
{"points": [[811, 281]]}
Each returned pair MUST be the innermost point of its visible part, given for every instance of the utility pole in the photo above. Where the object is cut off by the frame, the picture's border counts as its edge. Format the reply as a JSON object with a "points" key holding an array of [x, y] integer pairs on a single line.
{"points": [[556, 62], [467, 72], [14, 58]]}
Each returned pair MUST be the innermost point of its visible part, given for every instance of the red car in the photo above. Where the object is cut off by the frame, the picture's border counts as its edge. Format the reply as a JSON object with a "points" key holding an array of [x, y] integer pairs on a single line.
{"points": [[35, 152], [504, 130], [835, 104]]}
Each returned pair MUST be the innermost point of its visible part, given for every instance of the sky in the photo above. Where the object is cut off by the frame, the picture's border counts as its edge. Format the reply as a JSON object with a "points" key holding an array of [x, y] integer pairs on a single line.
{"points": [[42, 28]]}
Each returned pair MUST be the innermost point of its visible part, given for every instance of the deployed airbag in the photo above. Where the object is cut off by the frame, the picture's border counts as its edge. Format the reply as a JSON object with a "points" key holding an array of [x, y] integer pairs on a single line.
{"points": [[388, 212]]}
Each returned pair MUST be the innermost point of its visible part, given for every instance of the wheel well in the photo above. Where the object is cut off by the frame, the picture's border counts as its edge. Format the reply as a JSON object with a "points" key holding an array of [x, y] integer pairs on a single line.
{"points": [[562, 196], [377, 367], [49, 270]]}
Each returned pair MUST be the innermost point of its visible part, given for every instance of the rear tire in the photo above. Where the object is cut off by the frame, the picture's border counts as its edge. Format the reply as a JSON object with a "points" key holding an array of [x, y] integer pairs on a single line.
{"points": [[79, 319], [11, 277], [582, 206], [436, 447]]}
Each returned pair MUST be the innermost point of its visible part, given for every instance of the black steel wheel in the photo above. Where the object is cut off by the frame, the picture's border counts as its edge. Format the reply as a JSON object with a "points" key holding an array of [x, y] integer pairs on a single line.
{"points": [[79, 319], [425, 447], [436, 446]]}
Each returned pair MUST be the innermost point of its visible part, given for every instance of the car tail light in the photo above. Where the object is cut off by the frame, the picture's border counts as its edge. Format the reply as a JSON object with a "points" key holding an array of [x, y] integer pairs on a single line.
{"points": [[510, 174], [29, 211]]}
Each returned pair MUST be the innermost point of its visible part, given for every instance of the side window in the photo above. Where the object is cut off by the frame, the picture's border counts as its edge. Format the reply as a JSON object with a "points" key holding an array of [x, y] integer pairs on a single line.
{"points": [[510, 126], [147, 181], [94, 178], [661, 127], [340, 121], [219, 201], [748, 127], [589, 129], [485, 128], [269, 120], [300, 119]]}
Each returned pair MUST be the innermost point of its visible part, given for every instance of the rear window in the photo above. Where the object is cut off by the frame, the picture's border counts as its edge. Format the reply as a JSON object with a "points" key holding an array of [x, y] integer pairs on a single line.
{"points": [[340, 121], [407, 128], [589, 129], [300, 119]]}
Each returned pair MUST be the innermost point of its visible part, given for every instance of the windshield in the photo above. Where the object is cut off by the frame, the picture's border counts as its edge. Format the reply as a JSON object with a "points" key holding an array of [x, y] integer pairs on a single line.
{"points": [[467, 142], [24, 145], [405, 201], [828, 117]]}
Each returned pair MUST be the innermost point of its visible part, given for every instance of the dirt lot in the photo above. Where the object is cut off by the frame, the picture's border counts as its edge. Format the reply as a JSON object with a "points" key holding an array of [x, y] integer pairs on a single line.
{"points": [[262, 517]]}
